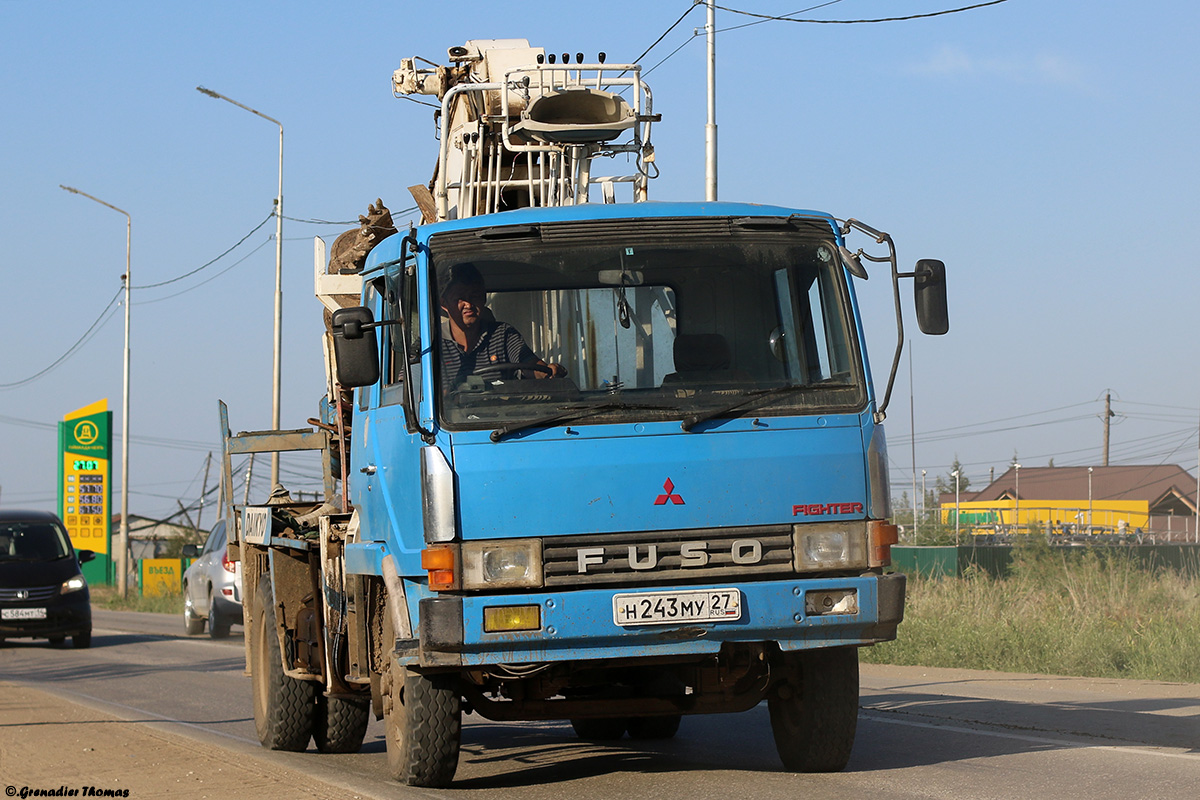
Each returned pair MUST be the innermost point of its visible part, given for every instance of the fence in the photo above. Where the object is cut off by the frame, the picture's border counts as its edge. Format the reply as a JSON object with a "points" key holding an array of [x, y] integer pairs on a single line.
{"points": [[935, 562]]}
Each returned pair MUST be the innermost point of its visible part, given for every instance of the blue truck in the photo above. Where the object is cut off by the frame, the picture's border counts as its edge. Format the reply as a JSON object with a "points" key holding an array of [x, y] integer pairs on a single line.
{"points": [[610, 462]]}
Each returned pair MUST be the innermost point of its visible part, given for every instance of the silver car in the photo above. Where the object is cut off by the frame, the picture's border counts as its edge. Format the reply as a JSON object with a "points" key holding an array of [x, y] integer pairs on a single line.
{"points": [[212, 587]]}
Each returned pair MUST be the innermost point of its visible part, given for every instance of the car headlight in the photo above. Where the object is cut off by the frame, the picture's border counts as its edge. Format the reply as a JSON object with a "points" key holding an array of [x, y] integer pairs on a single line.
{"points": [[509, 564], [74, 584], [830, 545]]}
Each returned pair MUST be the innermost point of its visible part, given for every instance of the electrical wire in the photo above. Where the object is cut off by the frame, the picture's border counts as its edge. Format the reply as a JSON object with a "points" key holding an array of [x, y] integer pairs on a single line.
{"points": [[770, 18], [208, 263], [92, 330]]}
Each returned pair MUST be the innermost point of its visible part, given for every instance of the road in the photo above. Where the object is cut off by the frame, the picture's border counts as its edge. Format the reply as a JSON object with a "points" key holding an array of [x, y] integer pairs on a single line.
{"points": [[928, 733]]}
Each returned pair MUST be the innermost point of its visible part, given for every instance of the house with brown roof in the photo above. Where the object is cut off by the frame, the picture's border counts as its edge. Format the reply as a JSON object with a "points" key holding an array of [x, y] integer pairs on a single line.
{"points": [[1155, 502]]}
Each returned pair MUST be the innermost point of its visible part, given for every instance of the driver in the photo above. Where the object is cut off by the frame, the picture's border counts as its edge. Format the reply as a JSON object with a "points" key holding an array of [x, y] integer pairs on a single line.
{"points": [[472, 339]]}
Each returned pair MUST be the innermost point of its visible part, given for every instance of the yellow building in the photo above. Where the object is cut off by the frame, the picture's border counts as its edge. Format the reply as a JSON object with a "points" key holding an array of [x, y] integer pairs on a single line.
{"points": [[1157, 501]]}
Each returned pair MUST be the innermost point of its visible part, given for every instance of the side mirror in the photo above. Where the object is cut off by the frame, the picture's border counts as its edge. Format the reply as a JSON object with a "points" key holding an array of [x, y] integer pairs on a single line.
{"points": [[929, 292], [355, 347], [85, 556], [190, 550]]}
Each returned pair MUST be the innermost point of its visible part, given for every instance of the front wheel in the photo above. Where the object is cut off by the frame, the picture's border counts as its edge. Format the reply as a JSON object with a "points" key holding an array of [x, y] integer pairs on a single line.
{"points": [[192, 624], [284, 708], [423, 720], [814, 714]]}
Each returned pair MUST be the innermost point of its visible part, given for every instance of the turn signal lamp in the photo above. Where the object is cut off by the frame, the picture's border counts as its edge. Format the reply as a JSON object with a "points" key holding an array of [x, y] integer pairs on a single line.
{"points": [[882, 535], [504, 619], [439, 563]]}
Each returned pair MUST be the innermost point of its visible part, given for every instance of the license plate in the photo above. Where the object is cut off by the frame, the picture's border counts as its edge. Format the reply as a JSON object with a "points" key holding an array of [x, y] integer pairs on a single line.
{"points": [[23, 613], [668, 608]]}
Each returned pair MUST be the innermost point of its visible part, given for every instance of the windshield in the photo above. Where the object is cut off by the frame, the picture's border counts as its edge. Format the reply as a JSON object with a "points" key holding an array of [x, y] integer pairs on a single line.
{"points": [[32, 541], [622, 320]]}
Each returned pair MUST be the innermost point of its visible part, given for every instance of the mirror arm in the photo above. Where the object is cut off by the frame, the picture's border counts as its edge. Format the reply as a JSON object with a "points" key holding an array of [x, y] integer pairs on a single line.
{"points": [[409, 245]]}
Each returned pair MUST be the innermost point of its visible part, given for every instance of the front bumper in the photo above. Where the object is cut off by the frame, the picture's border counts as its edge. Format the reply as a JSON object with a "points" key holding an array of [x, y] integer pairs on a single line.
{"points": [[63, 618], [579, 625]]}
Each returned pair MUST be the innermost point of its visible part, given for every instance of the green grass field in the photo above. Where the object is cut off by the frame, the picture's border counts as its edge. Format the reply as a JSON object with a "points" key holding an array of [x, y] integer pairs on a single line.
{"points": [[1096, 616]]}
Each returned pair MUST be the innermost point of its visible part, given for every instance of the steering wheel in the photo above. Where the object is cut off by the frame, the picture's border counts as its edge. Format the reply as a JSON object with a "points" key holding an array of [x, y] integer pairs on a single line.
{"points": [[497, 368]]}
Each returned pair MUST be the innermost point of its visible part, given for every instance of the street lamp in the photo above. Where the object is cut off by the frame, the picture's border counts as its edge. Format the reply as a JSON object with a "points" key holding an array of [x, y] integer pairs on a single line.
{"points": [[123, 536], [957, 484], [276, 371], [1017, 498]]}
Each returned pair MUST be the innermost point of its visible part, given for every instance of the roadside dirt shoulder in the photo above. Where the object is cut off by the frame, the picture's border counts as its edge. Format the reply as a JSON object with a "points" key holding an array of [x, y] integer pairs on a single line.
{"points": [[52, 745]]}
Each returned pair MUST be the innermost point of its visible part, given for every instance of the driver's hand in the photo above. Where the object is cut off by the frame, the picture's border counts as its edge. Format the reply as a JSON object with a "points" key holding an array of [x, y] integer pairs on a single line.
{"points": [[556, 371]]}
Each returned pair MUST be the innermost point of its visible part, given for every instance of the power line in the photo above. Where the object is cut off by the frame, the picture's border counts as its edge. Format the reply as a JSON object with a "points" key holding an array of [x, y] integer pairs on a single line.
{"points": [[82, 340], [208, 263], [770, 18]]}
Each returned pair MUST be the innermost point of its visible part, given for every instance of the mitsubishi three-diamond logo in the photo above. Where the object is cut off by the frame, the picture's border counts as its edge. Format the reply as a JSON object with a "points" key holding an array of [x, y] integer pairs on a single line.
{"points": [[668, 494]]}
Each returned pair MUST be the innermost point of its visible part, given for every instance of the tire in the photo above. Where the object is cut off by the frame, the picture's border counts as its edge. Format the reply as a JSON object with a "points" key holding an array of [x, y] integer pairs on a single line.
{"points": [[423, 721], [815, 714], [284, 708], [341, 724], [654, 727], [82, 640], [607, 729], [218, 623], [192, 625]]}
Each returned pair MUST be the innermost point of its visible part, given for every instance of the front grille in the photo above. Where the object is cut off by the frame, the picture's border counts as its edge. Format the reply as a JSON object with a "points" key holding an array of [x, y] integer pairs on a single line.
{"points": [[606, 558], [29, 594]]}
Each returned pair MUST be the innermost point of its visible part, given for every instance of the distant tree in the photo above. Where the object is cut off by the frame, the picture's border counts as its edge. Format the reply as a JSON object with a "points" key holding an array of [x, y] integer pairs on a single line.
{"points": [[945, 483]]}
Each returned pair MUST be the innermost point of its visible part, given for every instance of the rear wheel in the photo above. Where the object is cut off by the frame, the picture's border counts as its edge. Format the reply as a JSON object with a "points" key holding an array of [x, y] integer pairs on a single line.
{"points": [[597, 729], [284, 708], [654, 727], [423, 720], [814, 714], [341, 724], [218, 622]]}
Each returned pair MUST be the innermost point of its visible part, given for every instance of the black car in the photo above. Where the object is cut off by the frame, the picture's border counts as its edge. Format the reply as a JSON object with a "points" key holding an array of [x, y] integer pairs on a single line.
{"points": [[43, 594]]}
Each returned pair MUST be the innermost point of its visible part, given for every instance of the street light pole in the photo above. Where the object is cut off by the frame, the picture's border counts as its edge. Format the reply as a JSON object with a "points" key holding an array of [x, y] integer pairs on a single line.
{"points": [[123, 536], [1089, 499], [956, 514], [276, 368], [710, 128], [1017, 499]]}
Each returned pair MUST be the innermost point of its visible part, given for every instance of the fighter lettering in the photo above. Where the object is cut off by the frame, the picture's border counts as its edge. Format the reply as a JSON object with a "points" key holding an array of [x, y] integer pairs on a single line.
{"points": [[820, 510]]}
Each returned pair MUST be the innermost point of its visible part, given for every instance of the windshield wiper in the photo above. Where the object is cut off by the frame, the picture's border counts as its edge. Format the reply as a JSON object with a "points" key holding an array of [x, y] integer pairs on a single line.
{"points": [[751, 399], [571, 414]]}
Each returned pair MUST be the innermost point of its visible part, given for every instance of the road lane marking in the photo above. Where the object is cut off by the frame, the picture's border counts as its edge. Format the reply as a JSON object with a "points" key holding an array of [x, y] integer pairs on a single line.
{"points": [[874, 716], [102, 704]]}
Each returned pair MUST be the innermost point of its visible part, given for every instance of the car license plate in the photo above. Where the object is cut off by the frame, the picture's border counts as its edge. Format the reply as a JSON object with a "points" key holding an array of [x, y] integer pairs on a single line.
{"points": [[668, 608], [23, 613]]}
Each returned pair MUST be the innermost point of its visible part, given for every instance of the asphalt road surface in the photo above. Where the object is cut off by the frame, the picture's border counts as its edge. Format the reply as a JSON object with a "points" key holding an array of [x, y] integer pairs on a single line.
{"points": [[927, 733]]}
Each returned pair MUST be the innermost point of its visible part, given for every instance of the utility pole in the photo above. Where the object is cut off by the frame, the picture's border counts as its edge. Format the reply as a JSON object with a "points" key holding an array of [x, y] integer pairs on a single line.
{"points": [[710, 128], [203, 490], [1107, 416]]}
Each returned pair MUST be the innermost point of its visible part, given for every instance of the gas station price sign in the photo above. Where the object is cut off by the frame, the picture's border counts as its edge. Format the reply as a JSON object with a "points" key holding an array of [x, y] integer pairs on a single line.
{"points": [[85, 488]]}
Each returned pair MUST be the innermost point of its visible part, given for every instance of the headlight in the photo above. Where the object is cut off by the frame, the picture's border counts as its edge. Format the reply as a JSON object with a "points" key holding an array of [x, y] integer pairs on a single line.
{"points": [[830, 545], [74, 584], [502, 564]]}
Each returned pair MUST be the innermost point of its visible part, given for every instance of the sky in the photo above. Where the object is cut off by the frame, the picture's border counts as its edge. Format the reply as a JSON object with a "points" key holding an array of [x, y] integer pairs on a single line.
{"points": [[1045, 150]]}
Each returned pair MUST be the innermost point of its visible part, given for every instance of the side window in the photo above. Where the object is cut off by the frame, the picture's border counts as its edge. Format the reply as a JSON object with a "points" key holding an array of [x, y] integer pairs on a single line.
{"points": [[371, 299], [399, 298]]}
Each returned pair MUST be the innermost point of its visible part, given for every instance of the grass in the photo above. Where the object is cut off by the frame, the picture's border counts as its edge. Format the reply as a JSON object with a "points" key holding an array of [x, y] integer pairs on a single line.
{"points": [[1094, 614], [107, 597]]}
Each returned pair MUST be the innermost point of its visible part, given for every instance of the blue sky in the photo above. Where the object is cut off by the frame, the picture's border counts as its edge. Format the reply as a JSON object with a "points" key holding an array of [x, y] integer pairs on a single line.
{"points": [[1046, 151]]}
